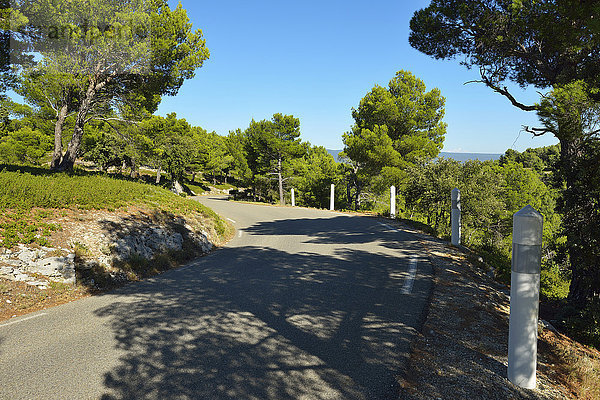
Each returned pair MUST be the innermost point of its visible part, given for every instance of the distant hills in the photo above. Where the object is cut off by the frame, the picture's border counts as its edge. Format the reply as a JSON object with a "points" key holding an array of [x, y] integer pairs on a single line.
{"points": [[334, 153], [470, 156], [455, 156]]}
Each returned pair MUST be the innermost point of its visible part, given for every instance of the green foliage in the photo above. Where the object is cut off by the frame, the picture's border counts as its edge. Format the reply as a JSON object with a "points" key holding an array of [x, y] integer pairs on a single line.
{"points": [[491, 192], [23, 190], [396, 128], [315, 172], [235, 146], [103, 146], [271, 146], [554, 283], [529, 42], [216, 159], [21, 227], [412, 115], [170, 143], [24, 146], [546, 44], [115, 62]]}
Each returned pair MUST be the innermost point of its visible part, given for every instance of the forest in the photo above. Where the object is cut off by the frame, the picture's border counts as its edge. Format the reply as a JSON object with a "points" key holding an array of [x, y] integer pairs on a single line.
{"points": [[93, 108]]}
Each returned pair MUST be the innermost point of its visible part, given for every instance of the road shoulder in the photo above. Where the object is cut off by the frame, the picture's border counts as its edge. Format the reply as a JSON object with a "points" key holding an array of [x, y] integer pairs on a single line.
{"points": [[461, 352]]}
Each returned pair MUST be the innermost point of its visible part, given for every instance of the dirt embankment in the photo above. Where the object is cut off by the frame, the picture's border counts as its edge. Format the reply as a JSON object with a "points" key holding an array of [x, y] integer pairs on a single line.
{"points": [[95, 250]]}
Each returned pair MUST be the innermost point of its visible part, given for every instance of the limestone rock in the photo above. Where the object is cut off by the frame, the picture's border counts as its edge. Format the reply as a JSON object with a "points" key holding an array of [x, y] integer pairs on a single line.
{"points": [[58, 268]]}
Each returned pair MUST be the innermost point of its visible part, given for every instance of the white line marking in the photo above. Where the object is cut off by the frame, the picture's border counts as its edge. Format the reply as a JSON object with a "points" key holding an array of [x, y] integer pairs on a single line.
{"points": [[230, 220], [240, 233], [23, 320], [412, 272], [389, 227]]}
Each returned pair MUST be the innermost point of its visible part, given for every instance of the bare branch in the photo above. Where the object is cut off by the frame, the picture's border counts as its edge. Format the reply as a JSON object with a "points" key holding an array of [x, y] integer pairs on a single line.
{"points": [[127, 121], [50, 102], [504, 92], [536, 131]]}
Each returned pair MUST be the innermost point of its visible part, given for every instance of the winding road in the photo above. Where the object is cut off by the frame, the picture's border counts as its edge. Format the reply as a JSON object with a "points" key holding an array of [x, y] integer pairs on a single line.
{"points": [[301, 304]]}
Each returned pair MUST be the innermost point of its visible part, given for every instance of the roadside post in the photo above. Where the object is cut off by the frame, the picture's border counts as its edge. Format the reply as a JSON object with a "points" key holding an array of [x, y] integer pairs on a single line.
{"points": [[524, 297], [293, 198], [455, 217], [393, 201], [332, 200]]}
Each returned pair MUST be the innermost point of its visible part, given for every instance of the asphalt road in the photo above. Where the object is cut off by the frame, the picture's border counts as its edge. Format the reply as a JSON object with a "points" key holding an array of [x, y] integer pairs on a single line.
{"points": [[301, 304]]}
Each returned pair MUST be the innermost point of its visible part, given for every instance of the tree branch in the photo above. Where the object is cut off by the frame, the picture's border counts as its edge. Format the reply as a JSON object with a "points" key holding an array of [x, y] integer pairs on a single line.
{"points": [[504, 92], [115, 119], [536, 131]]}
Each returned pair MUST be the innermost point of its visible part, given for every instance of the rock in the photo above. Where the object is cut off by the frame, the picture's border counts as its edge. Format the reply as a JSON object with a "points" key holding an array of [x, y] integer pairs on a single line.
{"points": [[58, 268], [21, 277], [543, 324], [26, 255], [42, 285], [177, 188], [147, 245], [6, 271]]}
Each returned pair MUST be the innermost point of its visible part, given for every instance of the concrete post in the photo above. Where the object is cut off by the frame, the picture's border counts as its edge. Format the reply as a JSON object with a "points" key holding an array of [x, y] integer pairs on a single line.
{"points": [[293, 198], [524, 297], [332, 200], [393, 201], [455, 217]]}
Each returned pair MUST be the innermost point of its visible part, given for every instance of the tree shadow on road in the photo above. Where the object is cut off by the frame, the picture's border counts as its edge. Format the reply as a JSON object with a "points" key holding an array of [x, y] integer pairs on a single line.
{"points": [[258, 323], [337, 230]]}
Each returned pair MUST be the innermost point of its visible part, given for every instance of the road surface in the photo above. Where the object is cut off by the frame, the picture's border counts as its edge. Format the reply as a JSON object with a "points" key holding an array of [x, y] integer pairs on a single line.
{"points": [[301, 304]]}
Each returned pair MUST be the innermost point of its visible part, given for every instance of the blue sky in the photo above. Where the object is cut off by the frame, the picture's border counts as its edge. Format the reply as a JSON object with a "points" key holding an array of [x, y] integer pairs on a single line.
{"points": [[317, 59]]}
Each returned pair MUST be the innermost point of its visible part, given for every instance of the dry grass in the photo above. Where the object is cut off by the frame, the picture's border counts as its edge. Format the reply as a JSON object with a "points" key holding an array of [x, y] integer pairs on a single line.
{"points": [[575, 365]]}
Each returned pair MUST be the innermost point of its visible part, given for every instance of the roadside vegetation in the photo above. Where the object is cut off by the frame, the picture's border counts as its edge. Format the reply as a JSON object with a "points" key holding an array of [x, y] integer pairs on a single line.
{"points": [[30, 196], [80, 108]]}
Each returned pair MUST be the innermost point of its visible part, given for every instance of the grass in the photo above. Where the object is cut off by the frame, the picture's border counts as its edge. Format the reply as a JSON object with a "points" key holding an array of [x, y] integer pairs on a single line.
{"points": [[196, 188], [29, 197], [578, 367]]}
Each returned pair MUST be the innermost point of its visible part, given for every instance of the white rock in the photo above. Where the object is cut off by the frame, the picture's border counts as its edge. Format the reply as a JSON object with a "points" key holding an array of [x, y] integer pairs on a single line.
{"points": [[27, 256], [60, 268], [20, 277]]}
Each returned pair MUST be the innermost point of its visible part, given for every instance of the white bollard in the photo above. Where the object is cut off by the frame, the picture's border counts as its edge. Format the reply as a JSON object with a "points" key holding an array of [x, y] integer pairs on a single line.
{"points": [[332, 201], [293, 198], [524, 297], [455, 217], [393, 201]]}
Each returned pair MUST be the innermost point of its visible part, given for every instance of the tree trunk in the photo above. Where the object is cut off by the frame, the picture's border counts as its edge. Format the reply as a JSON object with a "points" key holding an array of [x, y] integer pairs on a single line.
{"points": [[58, 127], [280, 178], [70, 156], [349, 194], [134, 170], [158, 171], [357, 197], [68, 161], [579, 291]]}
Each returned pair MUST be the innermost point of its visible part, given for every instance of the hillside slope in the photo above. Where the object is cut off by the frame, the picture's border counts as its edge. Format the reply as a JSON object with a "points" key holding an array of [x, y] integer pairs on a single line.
{"points": [[96, 230]]}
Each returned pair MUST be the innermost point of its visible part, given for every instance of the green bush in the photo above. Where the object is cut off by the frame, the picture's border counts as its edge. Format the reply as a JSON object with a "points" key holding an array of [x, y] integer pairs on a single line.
{"points": [[554, 284], [25, 190]]}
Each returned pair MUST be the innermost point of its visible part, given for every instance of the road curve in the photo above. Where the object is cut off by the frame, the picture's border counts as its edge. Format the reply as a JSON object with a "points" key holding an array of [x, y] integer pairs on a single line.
{"points": [[301, 304]]}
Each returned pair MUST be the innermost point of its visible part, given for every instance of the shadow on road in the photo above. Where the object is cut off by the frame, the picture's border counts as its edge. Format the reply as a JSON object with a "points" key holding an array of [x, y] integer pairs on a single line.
{"points": [[258, 323], [337, 230]]}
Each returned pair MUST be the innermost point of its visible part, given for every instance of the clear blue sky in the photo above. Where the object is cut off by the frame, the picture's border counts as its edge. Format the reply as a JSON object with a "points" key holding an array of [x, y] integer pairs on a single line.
{"points": [[317, 59]]}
